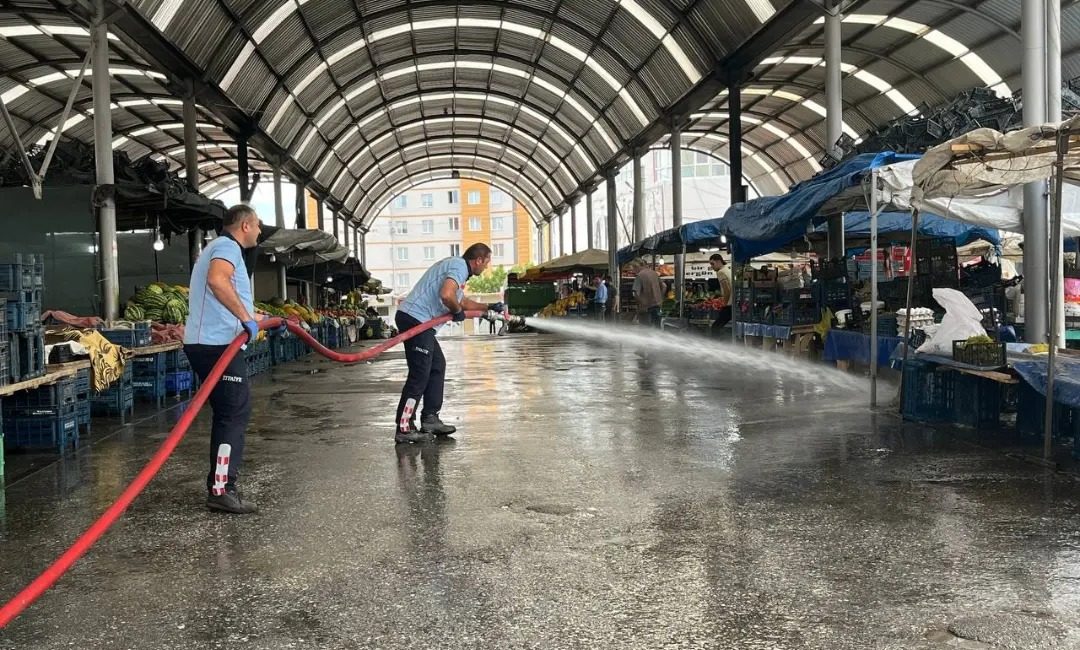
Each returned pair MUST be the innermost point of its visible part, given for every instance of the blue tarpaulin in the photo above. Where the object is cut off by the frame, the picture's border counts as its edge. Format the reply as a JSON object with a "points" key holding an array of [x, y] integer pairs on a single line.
{"points": [[1066, 378], [766, 224], [857, 224]]}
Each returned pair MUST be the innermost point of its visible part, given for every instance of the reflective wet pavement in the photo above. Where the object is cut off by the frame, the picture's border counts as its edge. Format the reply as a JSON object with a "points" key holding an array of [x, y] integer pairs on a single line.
{"points": [[593, 499]]}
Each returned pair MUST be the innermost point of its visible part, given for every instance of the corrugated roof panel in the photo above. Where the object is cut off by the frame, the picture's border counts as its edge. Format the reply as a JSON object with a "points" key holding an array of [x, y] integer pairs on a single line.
{"points": [[207, 35], [327, 17], [288, 44], [590, 15], [664, 78], [559, 63], [628, 39]]}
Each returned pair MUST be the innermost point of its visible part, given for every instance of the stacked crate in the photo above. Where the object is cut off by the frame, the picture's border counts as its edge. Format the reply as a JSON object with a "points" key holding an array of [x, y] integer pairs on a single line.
{"points": [[82, 399], [257, 356], [178, 375], [130, 338], [148, 377], [22, 284], [118, 399], [43, 418]]}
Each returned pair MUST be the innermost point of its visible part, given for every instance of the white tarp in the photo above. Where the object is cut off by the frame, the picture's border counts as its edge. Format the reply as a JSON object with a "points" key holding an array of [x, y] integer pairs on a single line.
{"points": [[979, 203]]}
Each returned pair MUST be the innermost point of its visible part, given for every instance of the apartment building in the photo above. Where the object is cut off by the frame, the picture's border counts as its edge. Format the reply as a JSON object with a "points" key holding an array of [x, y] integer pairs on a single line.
{"points": [[440, 219]]}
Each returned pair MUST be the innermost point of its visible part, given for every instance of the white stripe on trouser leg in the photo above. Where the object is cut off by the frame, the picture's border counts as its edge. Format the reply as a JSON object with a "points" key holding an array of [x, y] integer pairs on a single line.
{"points": [[406, 415], [221, 472]]}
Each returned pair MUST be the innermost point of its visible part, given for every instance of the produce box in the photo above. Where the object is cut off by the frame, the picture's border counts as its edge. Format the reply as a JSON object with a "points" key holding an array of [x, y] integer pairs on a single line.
{"points": [[980, 353]]}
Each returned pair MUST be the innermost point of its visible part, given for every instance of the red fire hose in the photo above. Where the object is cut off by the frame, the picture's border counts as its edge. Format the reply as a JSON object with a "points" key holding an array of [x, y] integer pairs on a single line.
{"points": [[48, 578]]}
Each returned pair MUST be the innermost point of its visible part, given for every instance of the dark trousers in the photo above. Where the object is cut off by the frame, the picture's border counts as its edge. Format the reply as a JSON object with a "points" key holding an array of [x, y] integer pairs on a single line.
{"points": [[231, 403], [427, 373], [598, 310], [650, 317], [724, 319]]}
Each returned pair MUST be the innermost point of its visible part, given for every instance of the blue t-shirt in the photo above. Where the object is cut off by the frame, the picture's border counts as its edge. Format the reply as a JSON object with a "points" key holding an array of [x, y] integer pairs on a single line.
{"points": [[601, 293], [208, 321], [423, 302]]}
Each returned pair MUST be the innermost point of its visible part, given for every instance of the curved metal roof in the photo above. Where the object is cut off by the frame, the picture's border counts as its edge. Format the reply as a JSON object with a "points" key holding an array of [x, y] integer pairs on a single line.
{"points": [[361, 98]]}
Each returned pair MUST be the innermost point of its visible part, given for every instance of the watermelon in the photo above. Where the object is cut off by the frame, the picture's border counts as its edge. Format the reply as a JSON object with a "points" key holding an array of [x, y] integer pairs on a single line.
{"points": [[134, 312]]}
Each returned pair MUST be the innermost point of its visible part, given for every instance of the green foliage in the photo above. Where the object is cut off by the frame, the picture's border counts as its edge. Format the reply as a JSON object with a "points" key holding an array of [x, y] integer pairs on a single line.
{"points": [[490, 281]]}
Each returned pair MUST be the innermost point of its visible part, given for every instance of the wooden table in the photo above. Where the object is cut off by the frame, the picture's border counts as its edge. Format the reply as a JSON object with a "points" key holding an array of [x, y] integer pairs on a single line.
{"points": [[57, 371]]}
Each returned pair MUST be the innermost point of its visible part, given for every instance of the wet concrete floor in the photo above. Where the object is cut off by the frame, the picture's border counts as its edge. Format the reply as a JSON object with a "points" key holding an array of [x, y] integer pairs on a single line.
{"points": [[592, 499]]}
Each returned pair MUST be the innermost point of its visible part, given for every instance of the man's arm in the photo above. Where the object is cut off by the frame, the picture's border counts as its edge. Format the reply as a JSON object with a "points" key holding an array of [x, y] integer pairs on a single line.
{"points": [[219, 279]]}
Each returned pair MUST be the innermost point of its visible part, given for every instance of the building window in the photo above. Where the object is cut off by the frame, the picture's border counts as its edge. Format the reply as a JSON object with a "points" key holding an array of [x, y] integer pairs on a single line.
{"points": [[454, 197], [402, 201], [401, 227], [429, 253], [403, 254], [474, 197], [427, 200], [455, 224], [428, 226], [498, 251], [455, 250], [474, 224], [498, 224], [496, 196], [402, 280]]}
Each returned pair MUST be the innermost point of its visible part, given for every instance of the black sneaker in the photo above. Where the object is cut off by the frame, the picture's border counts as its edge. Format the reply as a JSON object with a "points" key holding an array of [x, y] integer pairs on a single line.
{"points": [[230, 502], [432, 424], [413, 435]]}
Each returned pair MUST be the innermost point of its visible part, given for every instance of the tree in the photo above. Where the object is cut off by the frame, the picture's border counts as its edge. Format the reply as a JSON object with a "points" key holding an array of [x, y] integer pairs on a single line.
{"points": [[490, 281]]}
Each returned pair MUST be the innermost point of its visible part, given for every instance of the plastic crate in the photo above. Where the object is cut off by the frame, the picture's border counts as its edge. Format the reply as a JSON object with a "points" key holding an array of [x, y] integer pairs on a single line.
{"points": [[977, 401], [53, 431], [27, 354], [797, 307], [149, 386], [1031, 411], [983, 355], [928, 394], [180, 381], [176, 360], [979, 276], [83, 413], [82, 381], [118, 403], [23, 273], [127, 338], [52, 396], [22, 316], [148, 364], [991, 303], [5, 364]]}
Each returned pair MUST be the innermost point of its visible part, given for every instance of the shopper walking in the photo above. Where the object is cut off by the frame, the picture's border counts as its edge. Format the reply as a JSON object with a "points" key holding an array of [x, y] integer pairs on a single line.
{"points": [[649, 294], [723, 279], [221, 307], [441, 290]]}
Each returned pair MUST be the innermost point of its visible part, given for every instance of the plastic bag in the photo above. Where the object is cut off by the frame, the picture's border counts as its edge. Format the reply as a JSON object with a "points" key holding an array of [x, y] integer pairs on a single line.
{"points": [[962, 321]]}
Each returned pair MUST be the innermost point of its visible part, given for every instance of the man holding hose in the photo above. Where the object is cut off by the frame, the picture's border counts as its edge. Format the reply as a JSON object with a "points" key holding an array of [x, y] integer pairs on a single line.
{"points": [[441, 290], [221, 307]]}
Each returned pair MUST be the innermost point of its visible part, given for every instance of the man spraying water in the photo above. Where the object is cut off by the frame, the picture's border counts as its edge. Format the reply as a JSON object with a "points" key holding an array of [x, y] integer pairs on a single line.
{"points": [[441, 290]]}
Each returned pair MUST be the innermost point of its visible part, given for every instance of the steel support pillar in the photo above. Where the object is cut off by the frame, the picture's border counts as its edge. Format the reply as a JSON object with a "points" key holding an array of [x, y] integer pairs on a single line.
{"points": [[613, 238], [573, 228], [320, 215], [590, 241], [676, 205], [735, 142], [242, 169], [363, 248], [639, 199], [834, 114], [539, 243], [103, 158], [1036, 268], [334, 225], [1053, 114], [551, 240], [191, 170], [301, 206]]}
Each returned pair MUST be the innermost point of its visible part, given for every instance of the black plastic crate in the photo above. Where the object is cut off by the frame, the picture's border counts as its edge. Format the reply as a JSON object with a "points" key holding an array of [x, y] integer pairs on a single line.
{"points": [[22, 316], [127, 338], [937, 258], [61, 393], [830, 269], [928, 394], [979, 276], [977, 401], [991, 302], [23, 273], [5, 364], [148, 364], [52, 431], [117, 403], [983, 355], [176, 360], [149, 386], [82, 381]]}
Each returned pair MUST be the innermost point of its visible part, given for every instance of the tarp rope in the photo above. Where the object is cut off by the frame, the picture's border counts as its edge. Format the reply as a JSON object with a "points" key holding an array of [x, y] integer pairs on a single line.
{"points": [[58, 568]]}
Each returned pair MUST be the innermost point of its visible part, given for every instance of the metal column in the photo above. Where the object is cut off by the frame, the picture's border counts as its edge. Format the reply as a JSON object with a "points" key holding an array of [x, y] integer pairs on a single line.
{"points": [[735, 143], [676, 207], [551, 240], [301, 206], [1036, 271], [242, 169], [573, 228], [639, 199], [562, 234], [363, 247], [1053, 114], [103, 158], [589, 240], [356, 242], [834, 114], [320, 215], [873, 287], [613, 239], [279, 221], [191, 170]]}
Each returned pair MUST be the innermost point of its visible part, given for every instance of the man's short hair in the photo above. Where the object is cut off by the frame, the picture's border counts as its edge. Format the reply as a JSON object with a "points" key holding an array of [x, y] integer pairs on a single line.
{"points": [[717, 258], [476, 252], [237, 214]]}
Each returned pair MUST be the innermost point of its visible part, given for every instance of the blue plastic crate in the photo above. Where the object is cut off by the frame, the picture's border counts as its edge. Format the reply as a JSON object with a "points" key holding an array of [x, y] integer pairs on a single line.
{"points": [[1031, 410], [976, 401], [47, 397], [149, 386], [43, 432], [928, 394], [127, 338], [5, 364], [176, 360], [148, 364], [83, 413], [26, 354], [23, 273], [82, 381], [113, 404], [22, 316], [180, 381]]}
